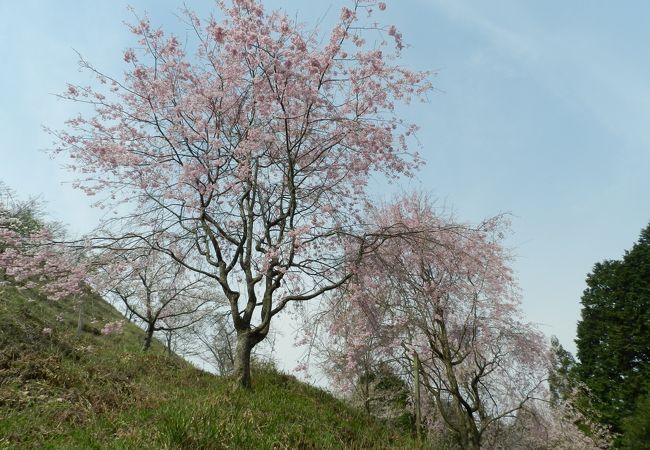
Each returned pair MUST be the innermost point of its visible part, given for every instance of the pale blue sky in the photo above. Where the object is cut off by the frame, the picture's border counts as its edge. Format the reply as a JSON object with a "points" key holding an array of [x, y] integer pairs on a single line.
{"points": [[542, 110]]}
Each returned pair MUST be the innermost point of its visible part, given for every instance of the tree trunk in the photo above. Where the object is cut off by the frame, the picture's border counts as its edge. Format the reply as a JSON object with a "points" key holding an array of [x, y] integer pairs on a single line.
{"points": [[418, 408], [469, 436], [242, 372], [80, 319], [366, 393], [470, 441], [170, 337], [148, 335]]}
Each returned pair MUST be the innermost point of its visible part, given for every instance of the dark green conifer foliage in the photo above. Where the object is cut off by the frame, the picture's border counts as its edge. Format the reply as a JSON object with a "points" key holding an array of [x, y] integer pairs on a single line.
{"points": [[636, 428], [561, 377], [614, 333]]}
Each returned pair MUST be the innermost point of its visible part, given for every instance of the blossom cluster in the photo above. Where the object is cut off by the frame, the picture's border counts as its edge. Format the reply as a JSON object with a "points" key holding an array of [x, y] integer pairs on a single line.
{"points": [[116, 327], [31, 255]]}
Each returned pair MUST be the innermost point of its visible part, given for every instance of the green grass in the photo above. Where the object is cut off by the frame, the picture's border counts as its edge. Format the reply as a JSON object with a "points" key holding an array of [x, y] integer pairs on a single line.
{"points": [[93, 391]]}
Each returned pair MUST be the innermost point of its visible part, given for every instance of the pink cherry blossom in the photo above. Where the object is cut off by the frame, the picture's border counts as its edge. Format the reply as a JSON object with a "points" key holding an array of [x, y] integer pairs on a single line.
{"points": [[110, 328], [152, 289], [254, 142], [36, 261], [443, 290]]}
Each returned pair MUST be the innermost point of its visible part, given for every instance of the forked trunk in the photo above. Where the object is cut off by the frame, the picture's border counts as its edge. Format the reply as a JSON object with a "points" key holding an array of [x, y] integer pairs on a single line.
{"points": [[242, 371]]}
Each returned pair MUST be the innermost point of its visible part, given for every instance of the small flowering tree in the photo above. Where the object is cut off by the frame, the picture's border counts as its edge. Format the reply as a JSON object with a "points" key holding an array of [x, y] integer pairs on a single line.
{"points": [[19, 217], [442, 292], [254, 151], [161, 293], [212, 340], [31, 254]]}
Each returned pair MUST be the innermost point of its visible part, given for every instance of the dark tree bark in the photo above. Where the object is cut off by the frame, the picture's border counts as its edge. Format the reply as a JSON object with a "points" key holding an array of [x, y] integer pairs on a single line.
{"points": [[242, 372], [246, 341], [148, 336]]}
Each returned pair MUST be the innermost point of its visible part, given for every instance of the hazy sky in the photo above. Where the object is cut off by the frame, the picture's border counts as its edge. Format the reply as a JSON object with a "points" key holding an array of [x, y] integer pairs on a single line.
{"points": [[542, 110]]}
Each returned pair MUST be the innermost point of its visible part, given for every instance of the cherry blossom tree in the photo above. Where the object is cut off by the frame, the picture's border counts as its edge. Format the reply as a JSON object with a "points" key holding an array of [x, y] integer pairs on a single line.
{"points": [[20, 217], [252, 144], [31, 252], [162, 294], [442, 291], [212, 341]]}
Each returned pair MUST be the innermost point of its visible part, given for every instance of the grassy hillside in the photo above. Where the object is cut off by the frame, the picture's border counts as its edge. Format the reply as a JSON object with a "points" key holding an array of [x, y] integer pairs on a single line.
{"points": [[94, 391]]}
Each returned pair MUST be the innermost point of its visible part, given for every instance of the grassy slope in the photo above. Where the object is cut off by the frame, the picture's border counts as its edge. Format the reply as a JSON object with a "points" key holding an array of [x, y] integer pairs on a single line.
{"points": [[96, 391]]}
